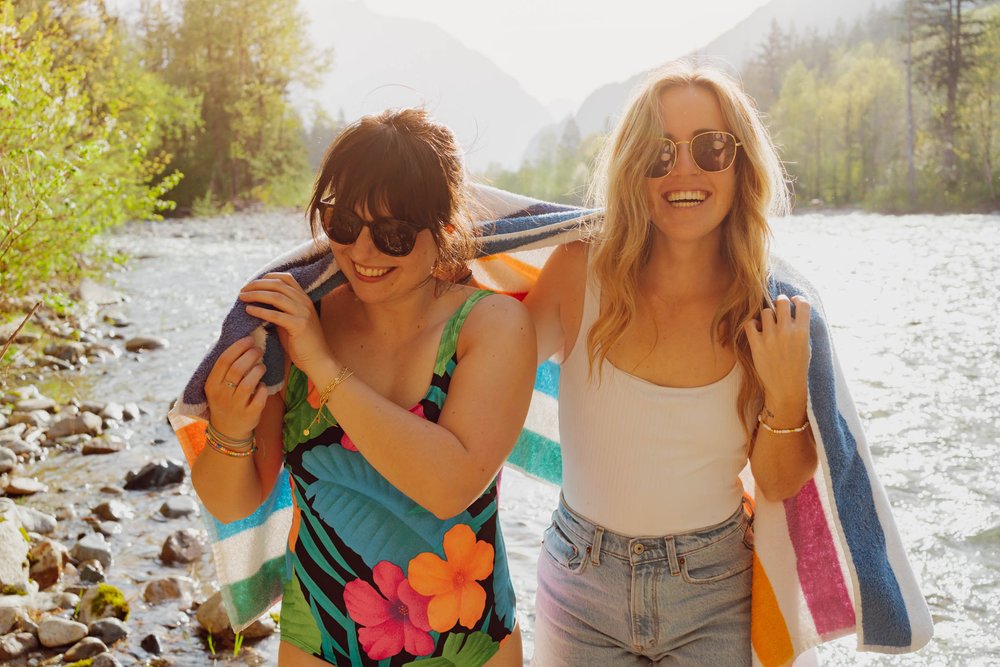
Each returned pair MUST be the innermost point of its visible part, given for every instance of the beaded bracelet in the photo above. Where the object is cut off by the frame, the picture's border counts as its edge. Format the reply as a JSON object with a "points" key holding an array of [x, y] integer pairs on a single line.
{"points": [[781, 431], [229, 446]]}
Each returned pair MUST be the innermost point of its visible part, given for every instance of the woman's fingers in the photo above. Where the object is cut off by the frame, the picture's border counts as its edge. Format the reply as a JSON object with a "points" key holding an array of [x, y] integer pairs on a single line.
{"points": [[802, 310], [782, 310], [226, 360]]}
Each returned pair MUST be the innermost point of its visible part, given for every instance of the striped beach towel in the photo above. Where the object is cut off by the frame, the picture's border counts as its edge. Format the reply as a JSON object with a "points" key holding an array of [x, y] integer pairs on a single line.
{"points": [[828, 562]]}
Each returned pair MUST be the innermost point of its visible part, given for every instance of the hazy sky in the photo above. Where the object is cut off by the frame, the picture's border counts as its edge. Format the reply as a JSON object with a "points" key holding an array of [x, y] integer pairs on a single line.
{"points": [[564, 49]]}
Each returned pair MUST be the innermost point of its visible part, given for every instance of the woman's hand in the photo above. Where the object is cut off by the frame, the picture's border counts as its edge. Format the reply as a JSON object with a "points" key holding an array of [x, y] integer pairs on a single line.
{"points": [[294, 314], [780, 350], [234, 392]]}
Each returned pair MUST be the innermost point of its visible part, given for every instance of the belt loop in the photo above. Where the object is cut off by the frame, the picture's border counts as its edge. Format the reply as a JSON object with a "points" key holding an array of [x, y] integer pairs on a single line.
{"points": [[675, 567], [595, 547]]}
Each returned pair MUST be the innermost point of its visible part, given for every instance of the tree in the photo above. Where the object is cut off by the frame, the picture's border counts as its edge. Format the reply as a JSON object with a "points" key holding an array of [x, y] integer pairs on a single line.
{"points": [[240, 57], [946, 37]]}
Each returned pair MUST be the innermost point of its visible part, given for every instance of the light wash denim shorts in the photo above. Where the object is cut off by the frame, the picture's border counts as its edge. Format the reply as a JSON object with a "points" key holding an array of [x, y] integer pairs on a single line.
{"points": [[607, 599]]}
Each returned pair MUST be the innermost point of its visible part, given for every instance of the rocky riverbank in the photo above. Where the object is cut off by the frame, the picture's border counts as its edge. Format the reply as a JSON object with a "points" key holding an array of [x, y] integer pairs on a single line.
{"points": [[102, 554]]}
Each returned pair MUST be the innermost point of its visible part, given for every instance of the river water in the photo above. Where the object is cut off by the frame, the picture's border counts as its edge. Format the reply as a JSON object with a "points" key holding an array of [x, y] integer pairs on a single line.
{"points": [[913, 303]]}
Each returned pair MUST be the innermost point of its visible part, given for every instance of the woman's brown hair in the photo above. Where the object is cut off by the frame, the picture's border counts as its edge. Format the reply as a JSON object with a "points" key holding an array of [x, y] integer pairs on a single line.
{"points": [[403, 164]]}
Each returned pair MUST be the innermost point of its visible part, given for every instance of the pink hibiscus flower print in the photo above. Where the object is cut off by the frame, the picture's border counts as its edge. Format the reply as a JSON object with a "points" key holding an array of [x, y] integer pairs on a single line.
{"points": [[349, 445], [393, 620]]}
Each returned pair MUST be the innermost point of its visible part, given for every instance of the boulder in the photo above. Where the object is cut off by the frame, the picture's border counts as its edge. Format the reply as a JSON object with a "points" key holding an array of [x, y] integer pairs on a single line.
{"points": [[88, 647], [155, 475], [35, 521], [180, 590], [13, 551], [17, 644], [56, 631], [24, 486], [113, 510], [109, 630], [102, 601], [105, 660], [179, 506], [93, 546], [107, 444], [47, 559], [184, 546], [85, 423]]}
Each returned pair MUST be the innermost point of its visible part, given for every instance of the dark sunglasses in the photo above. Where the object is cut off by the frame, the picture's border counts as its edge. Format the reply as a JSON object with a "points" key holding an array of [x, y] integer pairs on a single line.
{"points": [[390, 236], [712, 152]]}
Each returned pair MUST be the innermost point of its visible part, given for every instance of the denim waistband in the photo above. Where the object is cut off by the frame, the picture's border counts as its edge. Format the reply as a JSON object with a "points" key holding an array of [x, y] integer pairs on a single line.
{"points": [[645, 549]]}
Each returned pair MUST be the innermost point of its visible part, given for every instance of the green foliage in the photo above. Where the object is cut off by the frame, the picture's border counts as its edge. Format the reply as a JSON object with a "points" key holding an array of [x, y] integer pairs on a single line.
{"points": [[81, 134], [239, 58], [561, 170], [840, 115]]}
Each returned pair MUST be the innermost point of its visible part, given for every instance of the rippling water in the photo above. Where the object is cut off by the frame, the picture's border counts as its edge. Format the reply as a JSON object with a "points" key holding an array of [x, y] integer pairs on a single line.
{"points": [[913, 303]]}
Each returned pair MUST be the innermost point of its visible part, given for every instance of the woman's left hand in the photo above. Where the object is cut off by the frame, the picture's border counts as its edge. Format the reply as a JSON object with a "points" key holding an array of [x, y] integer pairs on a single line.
{"points": [[294, 315], [780, 349]]}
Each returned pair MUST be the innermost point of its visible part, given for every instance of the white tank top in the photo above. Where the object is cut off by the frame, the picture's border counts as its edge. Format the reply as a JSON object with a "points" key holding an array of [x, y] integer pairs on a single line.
{"points": [[640, 459]]}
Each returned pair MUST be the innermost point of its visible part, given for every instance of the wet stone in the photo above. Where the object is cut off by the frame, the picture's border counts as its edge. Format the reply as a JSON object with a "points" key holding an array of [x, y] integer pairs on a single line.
{"points": [[112, 490], [179, 506], [101, 601], [108, 444], [151, 643], [87, 647], [131, 411], [184, 546], [47, 558], [24, 486], [93, 546], [35, 521], [17, 644], [108, 528], [105, 660], [55, 631], [32, 404], [115, 411], [69, 352], [113, 510], [91, 572], [155, 475], [84, 423], [109, 630], [36, 418], [180, 590], [144, 343], [8, 460]]}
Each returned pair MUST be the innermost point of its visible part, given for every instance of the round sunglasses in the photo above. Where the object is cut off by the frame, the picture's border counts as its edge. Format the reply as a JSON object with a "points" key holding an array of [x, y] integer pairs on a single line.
{"points": [[392, 237], [711, 152]]}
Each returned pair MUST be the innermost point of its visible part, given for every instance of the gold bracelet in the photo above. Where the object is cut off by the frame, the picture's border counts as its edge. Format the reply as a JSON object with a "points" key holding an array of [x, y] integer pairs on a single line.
{"points": [[225, 440], [324, 396], [223, 449], [781, 431]]}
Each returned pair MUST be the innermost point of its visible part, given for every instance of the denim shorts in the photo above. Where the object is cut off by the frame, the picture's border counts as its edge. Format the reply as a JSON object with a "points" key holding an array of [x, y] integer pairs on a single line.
{"points": [[609, 599]]}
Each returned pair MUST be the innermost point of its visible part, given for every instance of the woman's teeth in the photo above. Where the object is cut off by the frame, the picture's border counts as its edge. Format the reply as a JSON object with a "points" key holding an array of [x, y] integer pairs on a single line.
{"points": [[686, 198], [368, 272]]}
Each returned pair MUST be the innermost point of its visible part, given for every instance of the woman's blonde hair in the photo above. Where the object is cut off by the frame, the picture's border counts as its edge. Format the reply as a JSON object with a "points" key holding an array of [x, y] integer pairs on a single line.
{"points": [[624, 242]]}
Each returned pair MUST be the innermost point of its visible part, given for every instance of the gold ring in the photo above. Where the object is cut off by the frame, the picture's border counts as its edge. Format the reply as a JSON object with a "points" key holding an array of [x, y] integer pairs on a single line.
{"points": [[231, 385]]}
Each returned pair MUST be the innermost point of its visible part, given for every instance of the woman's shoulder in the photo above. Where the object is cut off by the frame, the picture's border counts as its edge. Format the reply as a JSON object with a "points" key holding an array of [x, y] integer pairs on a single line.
{"points": [[495, 319]]}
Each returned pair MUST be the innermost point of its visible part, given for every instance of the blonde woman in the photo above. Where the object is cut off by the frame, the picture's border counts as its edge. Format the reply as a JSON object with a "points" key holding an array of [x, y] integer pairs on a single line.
{"points": [[677, 368]]}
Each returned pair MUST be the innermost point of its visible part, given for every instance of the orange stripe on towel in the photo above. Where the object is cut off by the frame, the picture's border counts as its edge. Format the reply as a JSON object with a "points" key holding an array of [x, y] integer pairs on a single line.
{"points": [[192, 439], [768, 631]]}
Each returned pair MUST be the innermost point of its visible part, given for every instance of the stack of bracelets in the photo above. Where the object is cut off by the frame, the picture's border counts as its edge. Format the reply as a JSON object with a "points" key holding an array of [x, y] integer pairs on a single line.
{"points": [[228, 446]]}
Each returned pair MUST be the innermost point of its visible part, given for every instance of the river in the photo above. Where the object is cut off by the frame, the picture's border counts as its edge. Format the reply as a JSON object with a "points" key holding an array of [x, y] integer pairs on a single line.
{"points": [[913, 304]]}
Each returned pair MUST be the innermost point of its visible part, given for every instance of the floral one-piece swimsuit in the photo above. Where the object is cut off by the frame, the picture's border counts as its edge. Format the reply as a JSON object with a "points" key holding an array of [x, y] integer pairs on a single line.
{"points": [[374, 578]]}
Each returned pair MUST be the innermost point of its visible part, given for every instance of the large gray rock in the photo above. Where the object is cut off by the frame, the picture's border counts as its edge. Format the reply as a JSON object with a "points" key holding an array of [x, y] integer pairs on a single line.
{"points": [[55, 631], [180, 590], [8, 460], [109, 630], [17, 644], [36, 418], [87, 647], [93, 546], [13, 551], [85, 423], [184, 546]]}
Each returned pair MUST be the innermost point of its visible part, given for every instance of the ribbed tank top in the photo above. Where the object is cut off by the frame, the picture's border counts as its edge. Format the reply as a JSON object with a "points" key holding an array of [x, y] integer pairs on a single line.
{"points": [[641, 459]]}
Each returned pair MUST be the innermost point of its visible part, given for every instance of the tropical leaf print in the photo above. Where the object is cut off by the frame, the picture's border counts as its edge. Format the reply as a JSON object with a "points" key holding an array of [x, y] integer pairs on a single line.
{"points": [[472, 650], [371, 515]]}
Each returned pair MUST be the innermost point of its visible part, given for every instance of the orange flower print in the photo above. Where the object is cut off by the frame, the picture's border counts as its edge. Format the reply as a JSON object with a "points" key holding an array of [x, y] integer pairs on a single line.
{"points": [[451, 583], [312, 395]]}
